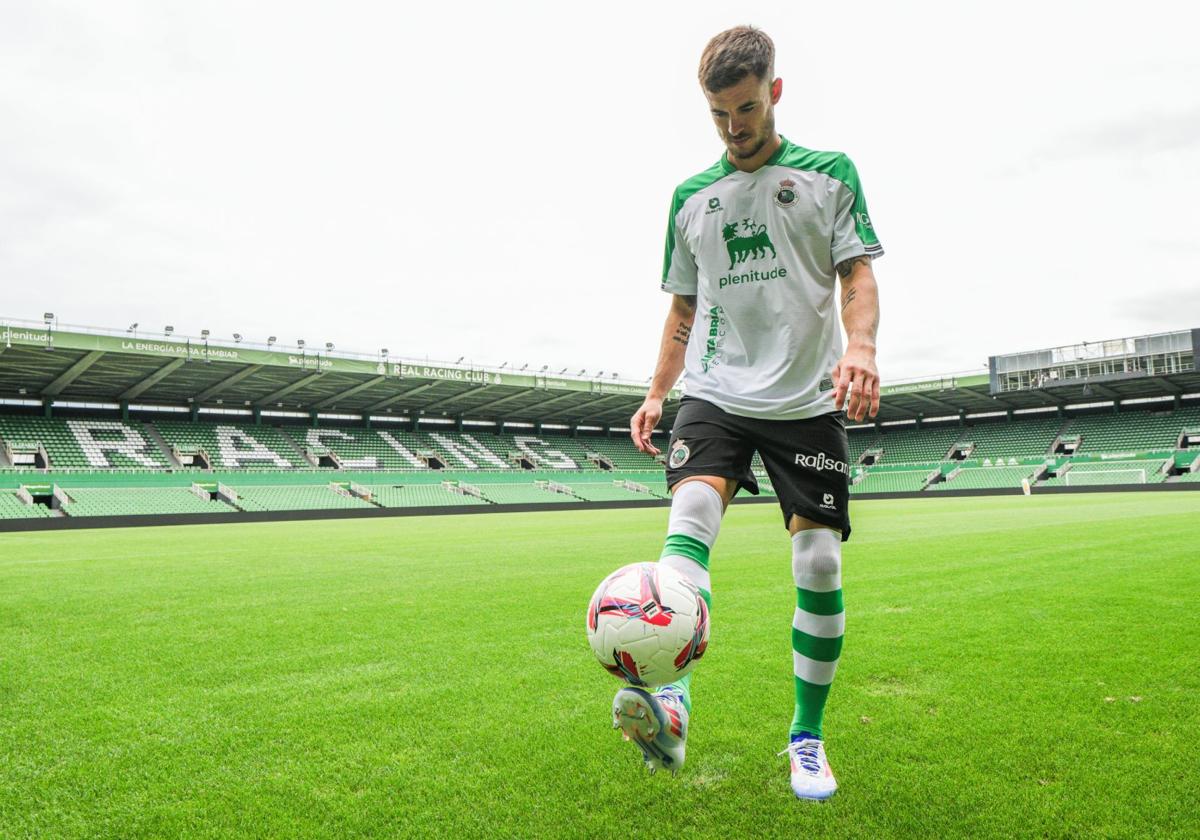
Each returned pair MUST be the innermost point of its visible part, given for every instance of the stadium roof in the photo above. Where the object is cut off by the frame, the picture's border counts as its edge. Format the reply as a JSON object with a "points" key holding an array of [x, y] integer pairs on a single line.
{"points": [[97, 365]]}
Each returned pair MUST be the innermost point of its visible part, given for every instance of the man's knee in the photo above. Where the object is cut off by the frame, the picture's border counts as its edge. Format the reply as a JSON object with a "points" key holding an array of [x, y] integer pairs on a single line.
{"points": [[726, 487], [817, 559]]}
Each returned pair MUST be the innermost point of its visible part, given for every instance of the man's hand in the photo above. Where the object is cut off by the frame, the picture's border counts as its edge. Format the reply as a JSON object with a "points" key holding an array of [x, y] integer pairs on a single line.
{"points": [[643, 423], [855, 375]]}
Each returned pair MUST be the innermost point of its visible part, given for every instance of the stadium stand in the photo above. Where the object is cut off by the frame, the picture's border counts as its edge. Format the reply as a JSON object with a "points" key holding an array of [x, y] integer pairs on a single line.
{"points": [[932, 442], [979, 478], [613, 491], [233, 445], [906, 478], [139, 501], [83, 443], [70, 436], [11, 507], [296, 497], [91, 451], [859, 440], [1008, 439], [1134, 431], [510, 494], [418, 495]]}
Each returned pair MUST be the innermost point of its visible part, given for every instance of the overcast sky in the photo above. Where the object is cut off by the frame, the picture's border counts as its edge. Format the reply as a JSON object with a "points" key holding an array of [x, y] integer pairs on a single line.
{"points": [[492, 180]]}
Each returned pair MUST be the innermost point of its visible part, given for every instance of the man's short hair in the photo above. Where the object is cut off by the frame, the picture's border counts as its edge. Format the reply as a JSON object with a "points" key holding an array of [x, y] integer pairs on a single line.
{"points": [[735, 54]]}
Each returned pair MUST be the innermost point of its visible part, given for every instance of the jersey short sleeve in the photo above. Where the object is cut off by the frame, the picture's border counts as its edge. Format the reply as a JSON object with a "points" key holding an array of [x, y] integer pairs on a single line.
{"points": [[679, 263], [853, 235]]}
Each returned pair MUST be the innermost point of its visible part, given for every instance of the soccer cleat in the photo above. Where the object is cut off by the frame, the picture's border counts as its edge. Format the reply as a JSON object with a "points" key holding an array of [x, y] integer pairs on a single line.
{"points": [[811, 776], [657, 723]]}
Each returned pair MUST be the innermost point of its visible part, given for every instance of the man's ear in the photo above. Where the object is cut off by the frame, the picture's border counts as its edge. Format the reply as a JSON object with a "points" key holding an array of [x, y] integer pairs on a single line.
{"points": [[776, 91]]}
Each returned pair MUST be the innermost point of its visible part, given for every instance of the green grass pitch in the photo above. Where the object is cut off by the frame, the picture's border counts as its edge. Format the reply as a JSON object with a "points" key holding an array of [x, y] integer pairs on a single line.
{"points": [[1013, 667]]}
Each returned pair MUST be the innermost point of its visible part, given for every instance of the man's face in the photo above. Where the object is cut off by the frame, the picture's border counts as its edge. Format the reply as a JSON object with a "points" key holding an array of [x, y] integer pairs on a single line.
{"points": [[745, 114]]}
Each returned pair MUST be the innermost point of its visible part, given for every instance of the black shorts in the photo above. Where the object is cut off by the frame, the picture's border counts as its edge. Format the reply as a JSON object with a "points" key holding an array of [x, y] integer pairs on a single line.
{"points": [[806, 460]]}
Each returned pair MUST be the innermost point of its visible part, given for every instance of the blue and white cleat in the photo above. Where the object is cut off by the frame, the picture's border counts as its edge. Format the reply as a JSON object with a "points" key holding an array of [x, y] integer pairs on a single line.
{"points": [[657, 723], [811, 776]]}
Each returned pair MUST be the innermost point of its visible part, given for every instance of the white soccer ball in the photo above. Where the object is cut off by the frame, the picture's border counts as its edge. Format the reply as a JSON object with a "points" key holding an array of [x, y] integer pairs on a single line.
{"points": [[647, 624]]}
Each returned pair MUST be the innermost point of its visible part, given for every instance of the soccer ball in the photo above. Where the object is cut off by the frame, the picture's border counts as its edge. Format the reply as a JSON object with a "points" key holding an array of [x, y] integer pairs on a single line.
{"points": [[647, 624]]}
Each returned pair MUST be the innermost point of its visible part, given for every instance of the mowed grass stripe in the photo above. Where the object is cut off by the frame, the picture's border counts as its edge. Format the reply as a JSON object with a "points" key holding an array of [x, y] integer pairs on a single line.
{"points": [[1012, 667]]}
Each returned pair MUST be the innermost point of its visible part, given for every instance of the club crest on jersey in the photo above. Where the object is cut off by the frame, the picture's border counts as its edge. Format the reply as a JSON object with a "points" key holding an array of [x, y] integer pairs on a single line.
{"points": [[785, 196], [751, 245], [679, 454]]}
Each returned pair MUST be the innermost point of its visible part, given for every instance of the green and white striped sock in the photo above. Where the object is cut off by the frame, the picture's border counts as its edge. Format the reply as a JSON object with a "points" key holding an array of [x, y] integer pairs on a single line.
{"points": [[818, 623], [696, 510]]}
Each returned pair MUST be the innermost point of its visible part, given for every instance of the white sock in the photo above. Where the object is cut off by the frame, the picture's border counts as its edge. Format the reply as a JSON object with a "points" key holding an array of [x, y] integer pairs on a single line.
{"points": [[696, 511]]}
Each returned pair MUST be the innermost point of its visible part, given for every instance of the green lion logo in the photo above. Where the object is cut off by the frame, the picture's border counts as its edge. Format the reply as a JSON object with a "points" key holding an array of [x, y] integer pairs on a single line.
{"points": [[753, 245]]}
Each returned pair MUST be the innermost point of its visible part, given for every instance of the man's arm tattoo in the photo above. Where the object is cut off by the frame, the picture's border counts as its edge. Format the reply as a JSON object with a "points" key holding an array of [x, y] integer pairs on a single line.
{"points": [[847, 265], [682, 332], [847, 297]]}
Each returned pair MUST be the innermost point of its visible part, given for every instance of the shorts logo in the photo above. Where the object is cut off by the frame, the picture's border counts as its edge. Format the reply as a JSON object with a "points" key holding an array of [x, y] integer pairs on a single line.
{"points": [[679, 455], [827, 502], [821, 461]]}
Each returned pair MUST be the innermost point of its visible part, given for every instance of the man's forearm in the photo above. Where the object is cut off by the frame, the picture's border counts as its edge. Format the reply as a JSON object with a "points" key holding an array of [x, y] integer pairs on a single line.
{"points": [[860, 303], [676, 332]]}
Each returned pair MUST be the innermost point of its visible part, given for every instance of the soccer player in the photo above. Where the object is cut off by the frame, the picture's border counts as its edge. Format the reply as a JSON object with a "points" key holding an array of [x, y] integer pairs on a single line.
{"points": [[755, 246]]}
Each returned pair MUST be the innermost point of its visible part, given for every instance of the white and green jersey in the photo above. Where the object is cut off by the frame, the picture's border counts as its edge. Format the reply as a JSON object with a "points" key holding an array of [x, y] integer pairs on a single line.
{"points": [[758, 251]]}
